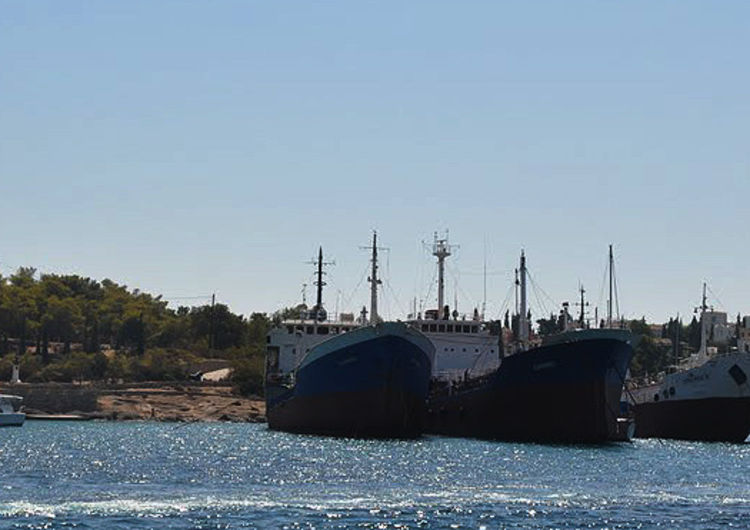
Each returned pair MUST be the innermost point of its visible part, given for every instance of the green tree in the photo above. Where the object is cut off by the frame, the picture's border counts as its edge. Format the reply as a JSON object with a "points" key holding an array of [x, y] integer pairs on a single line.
{"points": [[548, 326]]}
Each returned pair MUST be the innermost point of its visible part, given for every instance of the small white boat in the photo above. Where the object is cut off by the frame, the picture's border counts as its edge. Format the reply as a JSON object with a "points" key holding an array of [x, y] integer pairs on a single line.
{"points": [[10, 411]]}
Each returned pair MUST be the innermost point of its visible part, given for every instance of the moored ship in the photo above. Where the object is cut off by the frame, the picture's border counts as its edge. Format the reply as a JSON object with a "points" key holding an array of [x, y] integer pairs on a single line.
{"points": [[707, 397], [341, 378], [565, 389]]}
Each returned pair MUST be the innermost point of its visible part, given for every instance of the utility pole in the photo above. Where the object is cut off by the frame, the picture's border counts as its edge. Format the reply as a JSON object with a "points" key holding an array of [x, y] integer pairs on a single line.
{"points": [[212, 323]]}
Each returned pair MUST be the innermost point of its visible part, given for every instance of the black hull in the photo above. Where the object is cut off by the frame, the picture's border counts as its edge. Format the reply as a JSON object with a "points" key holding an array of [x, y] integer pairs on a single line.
{"points": [[709, 419], [376, 413], [372, 382], [576, 400], [538, 414]]}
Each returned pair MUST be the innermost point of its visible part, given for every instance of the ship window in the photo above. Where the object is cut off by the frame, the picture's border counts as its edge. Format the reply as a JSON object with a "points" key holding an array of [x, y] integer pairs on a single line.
{"points": [[290, 329], [656, 397], [433, 328], [300, 329], [474, 329], [464, 349], [334, 330], [309, 330], [441, 328], [467, 329], [671, 391], [450, 328], [738, 374], [322, 330], [424, 327]]}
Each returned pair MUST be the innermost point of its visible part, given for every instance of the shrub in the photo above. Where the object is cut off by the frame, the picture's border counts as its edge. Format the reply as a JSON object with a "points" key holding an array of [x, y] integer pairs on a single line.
{"points": [[247, 375]]}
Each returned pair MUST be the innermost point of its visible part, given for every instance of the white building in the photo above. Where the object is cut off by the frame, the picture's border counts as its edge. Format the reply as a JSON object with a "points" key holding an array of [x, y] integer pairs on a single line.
{"points": [[717, 330]]}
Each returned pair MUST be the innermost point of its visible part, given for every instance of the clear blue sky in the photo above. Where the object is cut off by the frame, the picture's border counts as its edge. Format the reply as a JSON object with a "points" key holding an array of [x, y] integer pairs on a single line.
{"points": [[186, 148]]}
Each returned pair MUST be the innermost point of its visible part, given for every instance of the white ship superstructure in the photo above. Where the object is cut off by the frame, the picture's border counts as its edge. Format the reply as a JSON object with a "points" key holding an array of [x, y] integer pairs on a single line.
{"points": [[464, 346]]}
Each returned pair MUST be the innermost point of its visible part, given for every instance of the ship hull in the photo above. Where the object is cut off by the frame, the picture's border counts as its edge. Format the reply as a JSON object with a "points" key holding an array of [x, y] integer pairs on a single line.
{"points": [[567, 392], [12, 419], [708, 402], [372, 382], [709, 419]]}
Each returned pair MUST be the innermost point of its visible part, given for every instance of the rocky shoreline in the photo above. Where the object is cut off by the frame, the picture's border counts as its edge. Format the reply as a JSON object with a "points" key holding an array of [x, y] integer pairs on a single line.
{"points": [[146, 401]]}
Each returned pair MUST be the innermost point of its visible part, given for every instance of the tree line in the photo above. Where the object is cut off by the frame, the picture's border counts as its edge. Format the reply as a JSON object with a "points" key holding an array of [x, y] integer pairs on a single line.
{"points": [[66, 327]]}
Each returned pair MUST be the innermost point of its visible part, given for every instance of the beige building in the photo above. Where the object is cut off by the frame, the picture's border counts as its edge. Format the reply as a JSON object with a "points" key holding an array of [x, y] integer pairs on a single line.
{"points": [[743, 342]]}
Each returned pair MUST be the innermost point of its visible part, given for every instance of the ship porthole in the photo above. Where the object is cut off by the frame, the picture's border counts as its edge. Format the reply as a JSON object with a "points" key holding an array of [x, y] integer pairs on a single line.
{"points": [[671, 391]]}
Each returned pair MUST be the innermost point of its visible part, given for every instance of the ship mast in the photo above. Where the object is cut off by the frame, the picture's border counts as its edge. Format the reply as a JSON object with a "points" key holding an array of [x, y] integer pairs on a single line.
{"points": [[703, 308], [523, 332], [609, 301], [319, 283], [374, 281], [441, 250], [582, 316], [318, 313], [484, 281], [677, 341]]}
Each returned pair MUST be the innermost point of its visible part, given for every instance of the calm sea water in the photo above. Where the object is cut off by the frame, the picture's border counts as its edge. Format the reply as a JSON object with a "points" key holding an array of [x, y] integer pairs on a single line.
{"points": [[148, 475]]}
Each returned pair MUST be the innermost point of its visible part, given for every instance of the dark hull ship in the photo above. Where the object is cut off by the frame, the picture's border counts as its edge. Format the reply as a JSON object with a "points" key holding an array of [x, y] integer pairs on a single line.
{"points": [[567, 391], [370, 382], [367, 379]]}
